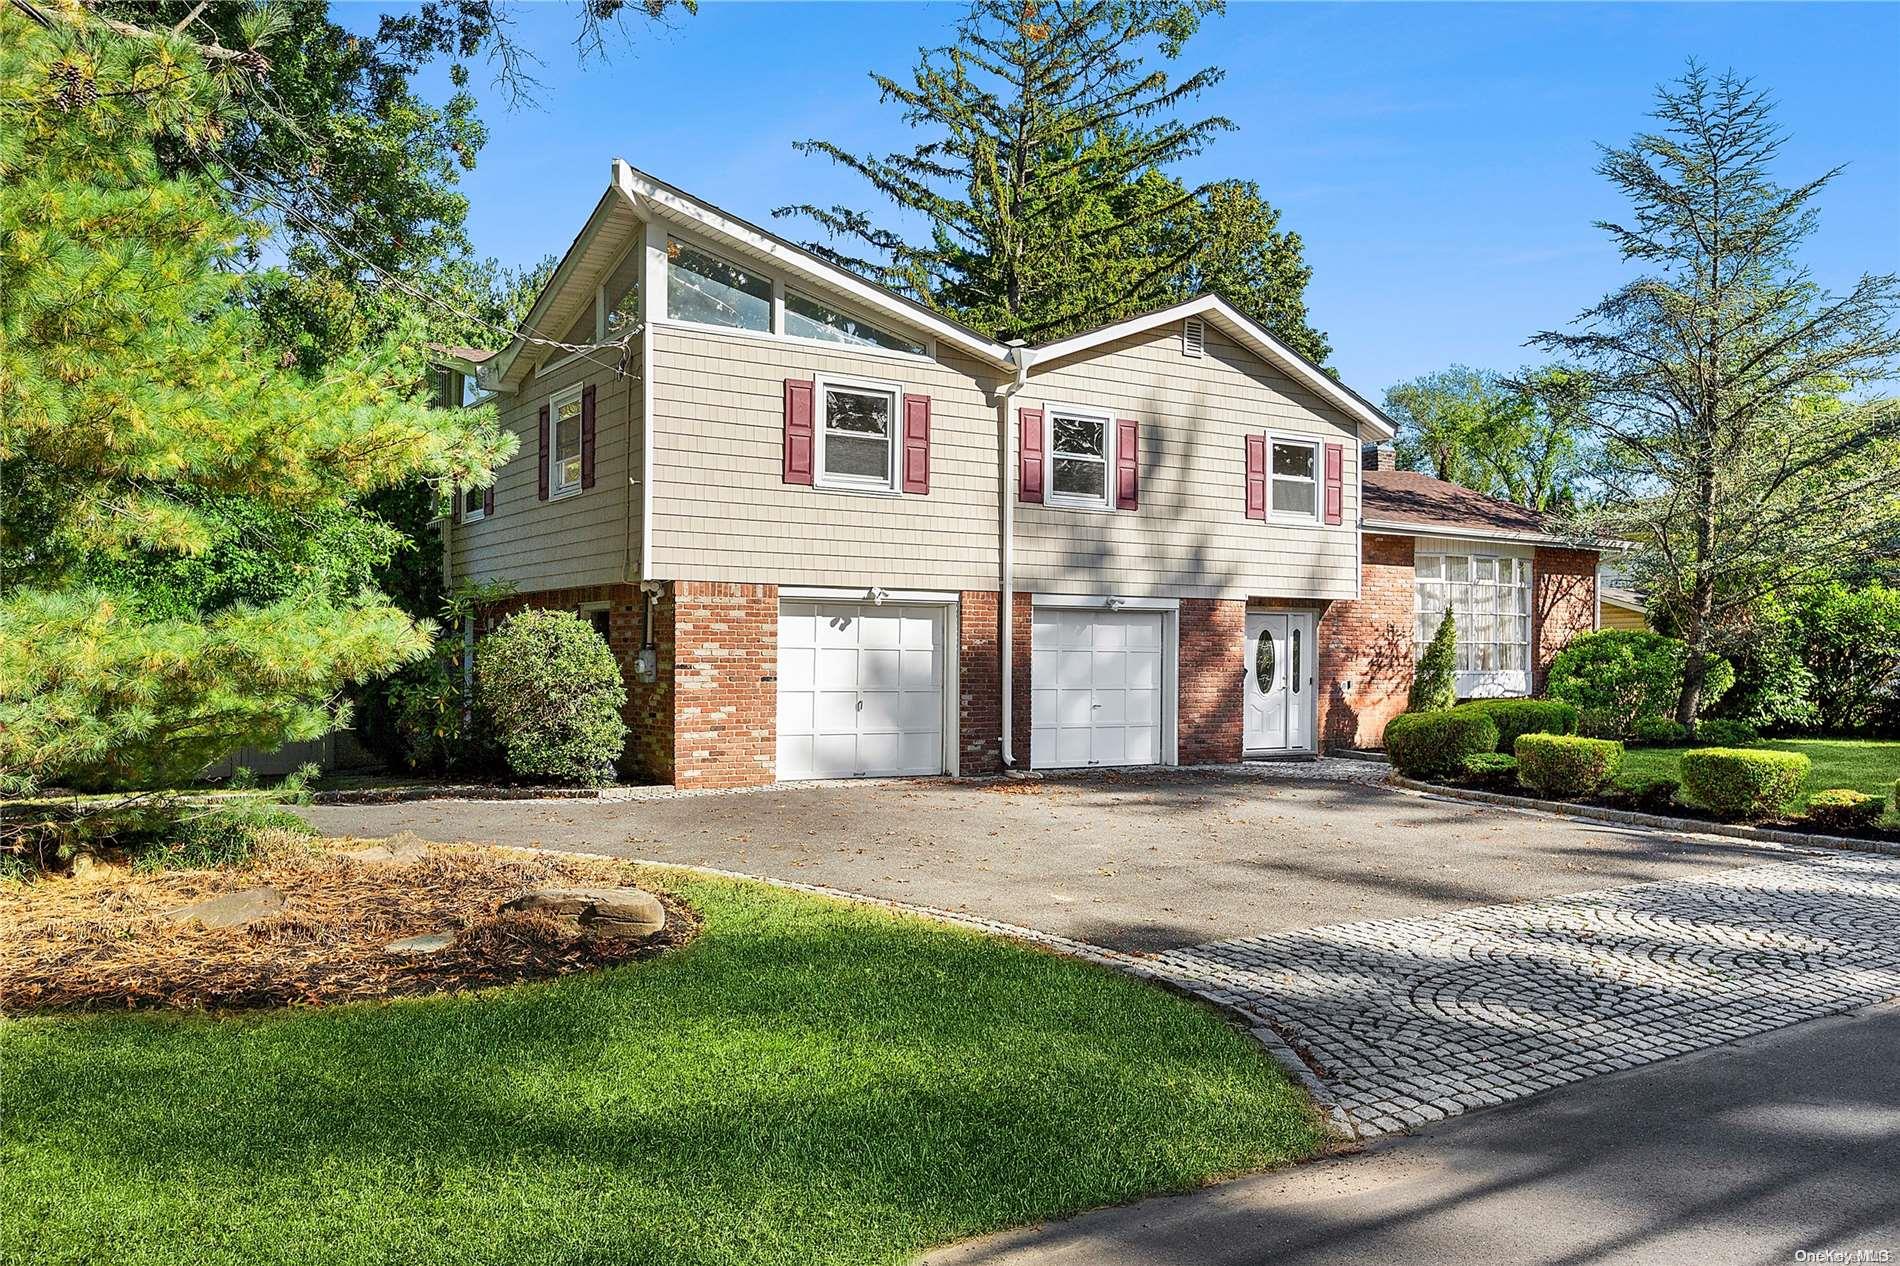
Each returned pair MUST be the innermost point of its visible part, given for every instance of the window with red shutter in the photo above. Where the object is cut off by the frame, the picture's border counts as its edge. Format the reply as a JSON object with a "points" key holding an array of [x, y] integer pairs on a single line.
{"points": [[1335, 482], [1127, 465], [1257, 477], [587, 436], [917, 445], [798, 436], [1029, 451], [542, 464]]}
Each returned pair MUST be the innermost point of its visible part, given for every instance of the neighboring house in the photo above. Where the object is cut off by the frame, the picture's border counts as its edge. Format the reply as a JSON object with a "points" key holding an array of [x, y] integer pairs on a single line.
{"points": [[791, 498], [1621, 607]]}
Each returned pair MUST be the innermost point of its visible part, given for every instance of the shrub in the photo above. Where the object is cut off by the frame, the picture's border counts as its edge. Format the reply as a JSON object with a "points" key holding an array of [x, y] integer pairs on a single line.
{"points": [[1646, 795], [1616, 676], [1563, 765], [1720, 733], [1734, 783], [550, 688], [1659, 732], [1844, 810], [225, 835], [1431, 744], [1435, 680], [1524, 716]]}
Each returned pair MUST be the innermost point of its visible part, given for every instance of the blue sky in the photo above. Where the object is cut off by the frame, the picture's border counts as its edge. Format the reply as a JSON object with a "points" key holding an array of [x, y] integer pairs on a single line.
{"points": [[1436, 159]]}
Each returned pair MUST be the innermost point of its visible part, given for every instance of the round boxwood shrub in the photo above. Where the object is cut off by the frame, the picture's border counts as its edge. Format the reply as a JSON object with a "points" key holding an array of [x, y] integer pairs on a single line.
{"points": [[1718, 732], [1433, 744], [1524, 716], [549, 687], [1563, 765], [1658, 732], [1735, 783], [1844, 810]]}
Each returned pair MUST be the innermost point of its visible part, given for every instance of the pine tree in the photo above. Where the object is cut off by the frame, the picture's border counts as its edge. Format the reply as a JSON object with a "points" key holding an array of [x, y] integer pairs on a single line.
{"points": [[1435, 681], [134, 392]]}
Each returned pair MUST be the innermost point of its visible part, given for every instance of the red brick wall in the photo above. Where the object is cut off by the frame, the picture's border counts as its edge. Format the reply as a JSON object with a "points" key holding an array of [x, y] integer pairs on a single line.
{"points": [[1022, 628], [650, 703], [979, 684], [725, 684], [1365, 648], [1212, 708], [1563, 603]]}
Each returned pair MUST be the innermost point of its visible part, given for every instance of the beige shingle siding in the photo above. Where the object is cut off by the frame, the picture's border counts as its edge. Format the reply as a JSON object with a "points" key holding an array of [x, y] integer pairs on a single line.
{"points": [[1191, 537], [579, 539], [723, 512]]}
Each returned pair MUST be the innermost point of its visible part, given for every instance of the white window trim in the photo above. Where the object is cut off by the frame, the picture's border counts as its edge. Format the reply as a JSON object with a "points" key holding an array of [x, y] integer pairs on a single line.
{"points": [[1070, 501], [1487, 683], [1319, 479], [555, 401], [480, 511], [889, 487]]}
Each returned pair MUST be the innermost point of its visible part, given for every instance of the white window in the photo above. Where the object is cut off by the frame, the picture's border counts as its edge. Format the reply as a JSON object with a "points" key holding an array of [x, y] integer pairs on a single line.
{"points": [[620, 297], [474, 504], [1490, 596], [806, 317], [564, 447], [712, 291], [1081, 454], [856, 435], [599, 617], [1295, 479]]}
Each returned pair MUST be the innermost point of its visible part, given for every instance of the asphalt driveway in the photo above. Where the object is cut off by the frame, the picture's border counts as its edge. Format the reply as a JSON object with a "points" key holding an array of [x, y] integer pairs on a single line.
{"points": [[1140, 862]]}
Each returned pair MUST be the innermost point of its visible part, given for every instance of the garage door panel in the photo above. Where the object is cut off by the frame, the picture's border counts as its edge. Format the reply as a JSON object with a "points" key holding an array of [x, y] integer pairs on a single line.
{"points": [[1097, 688], [861, 689], [920, 753], [1144, 670], [919, 632], [1145, 635], [836, 755], [1072, 746], [1142, 745], [878, 753], [920, 710], [1143, 707], [797, 629], [836, 710], [1073, 671], [919, 671], [1105, 746], [1074, 707], [880, 669], [877, 711], [837, 668], [1109, 668]]}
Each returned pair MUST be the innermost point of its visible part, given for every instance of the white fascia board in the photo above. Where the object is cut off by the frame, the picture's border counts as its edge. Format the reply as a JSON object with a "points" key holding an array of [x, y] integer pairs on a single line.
{"points": [[1250, 333], [654, 198], [503, 361], [1380, 528]]}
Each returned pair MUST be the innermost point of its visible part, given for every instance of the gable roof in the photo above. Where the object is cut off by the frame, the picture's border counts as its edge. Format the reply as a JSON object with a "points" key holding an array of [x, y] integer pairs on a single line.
{"points": [[1252, 335], [1417, 503]]}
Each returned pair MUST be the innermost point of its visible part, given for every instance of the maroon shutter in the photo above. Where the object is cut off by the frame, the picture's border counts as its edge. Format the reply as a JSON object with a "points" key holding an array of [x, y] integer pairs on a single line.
{"points": [[1257, 477], [917, 444], [1335, 482], [542, 477], [798, 437], [488, 501], [1127, 465], [455, 510], [1029, 448], [587, 436]]}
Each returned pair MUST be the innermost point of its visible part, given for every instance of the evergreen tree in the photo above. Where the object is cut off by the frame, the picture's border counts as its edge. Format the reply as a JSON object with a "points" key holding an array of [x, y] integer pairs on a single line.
{"points": [[136, 395], [1739, 450], [1435, 680]]}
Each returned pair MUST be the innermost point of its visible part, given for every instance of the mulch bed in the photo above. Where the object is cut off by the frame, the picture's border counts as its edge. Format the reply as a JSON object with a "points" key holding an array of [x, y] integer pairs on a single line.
{"points": [[100, 942]]}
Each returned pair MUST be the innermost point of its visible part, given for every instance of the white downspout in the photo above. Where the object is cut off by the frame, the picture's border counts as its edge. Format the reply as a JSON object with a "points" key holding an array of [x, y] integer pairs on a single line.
{"points": [[1020, 356]]}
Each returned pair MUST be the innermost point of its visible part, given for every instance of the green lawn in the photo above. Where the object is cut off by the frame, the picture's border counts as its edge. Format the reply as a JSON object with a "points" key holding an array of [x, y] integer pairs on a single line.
{"points": [[1868, 765], [807, 1082]]}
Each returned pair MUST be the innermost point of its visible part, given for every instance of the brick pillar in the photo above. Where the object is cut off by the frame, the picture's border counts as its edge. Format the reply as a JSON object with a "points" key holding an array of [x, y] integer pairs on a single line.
{"points": [[1563, 603], [1022, 626], [649, 703], [1212, 708], [979, 684], [725, 684], [1365, 648]]}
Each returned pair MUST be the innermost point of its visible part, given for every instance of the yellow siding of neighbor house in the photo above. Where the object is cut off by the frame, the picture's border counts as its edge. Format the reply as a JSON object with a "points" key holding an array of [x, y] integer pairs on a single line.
{"points": [[1191, 536], [578, 539], [1611, 617], [722, 510]]}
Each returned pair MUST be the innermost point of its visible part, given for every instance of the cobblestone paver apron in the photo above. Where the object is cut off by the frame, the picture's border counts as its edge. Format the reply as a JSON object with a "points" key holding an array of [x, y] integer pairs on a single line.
{"points": [[1408, 1021]]}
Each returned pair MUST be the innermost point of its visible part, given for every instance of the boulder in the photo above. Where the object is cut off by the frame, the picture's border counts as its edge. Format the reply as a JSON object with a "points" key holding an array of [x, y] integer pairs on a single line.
{"points": [[397, 850], [597, 913], [233, 909], [420, 946]]}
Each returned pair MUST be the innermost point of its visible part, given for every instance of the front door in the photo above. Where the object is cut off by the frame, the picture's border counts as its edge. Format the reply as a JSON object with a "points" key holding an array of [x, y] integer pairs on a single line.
{"points": [[1278, 658]]}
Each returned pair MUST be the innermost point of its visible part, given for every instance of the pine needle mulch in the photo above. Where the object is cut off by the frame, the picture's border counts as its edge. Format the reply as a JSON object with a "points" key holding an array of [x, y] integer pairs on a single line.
{"points": [[101, 942]]}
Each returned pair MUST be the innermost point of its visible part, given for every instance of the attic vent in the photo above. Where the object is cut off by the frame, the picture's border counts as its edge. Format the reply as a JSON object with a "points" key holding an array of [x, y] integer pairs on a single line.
{"points": [[1193, 337]]}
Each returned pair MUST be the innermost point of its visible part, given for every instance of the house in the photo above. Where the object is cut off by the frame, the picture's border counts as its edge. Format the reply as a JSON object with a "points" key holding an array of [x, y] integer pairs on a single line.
{"points": [[792, 500], [1620, 606]]}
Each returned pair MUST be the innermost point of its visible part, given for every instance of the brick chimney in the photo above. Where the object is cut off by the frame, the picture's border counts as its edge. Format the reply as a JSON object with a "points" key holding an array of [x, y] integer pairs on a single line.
{"points": [[1378, 457]]}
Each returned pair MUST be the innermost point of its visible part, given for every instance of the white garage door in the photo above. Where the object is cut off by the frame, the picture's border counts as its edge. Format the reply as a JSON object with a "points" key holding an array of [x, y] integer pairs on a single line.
{"points": [[860, 689], [1096, 681]]}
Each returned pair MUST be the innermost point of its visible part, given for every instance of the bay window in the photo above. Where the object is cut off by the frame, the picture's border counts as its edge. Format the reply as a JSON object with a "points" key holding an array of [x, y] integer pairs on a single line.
{"points": [[1490, 596]]}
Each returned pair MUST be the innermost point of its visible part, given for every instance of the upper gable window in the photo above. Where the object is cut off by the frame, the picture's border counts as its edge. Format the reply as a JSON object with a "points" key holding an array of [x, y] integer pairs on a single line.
{"points": [[806, 317], [1080, 454], [620, 297], [1296, 478], [704, 288], [855, 445]]}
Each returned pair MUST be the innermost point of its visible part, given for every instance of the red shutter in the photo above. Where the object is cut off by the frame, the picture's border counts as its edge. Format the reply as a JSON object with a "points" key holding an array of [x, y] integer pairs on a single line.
{"points": [[1127, 465], [1257, 477], [798, 436], [917, 444], [587, 436], [1335, 482], [542, 477], [488, 501], [455, 510], [1029, 449]]}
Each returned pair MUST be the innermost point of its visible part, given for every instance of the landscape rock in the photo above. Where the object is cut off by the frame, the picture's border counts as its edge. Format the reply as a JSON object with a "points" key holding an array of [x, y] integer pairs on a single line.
{"points": [[396, 850], [417, 946], [233, 909], [597, 913]]}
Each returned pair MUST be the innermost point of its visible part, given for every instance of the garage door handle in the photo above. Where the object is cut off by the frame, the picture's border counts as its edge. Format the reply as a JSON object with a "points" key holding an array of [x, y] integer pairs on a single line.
{"points": [[860, 705], [1095, 705]]}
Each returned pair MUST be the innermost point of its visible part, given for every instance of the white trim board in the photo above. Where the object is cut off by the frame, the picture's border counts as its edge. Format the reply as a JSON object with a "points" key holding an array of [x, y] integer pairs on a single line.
{"points": [[1101, 602]]}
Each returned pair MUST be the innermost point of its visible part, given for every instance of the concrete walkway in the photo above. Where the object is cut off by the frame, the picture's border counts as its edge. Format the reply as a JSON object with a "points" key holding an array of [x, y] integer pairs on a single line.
{"points": [[1745, 1153]]}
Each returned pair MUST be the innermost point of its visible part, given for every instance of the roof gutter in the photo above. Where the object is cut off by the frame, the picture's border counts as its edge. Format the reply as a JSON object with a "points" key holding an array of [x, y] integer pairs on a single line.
{"points": [[1385, 527]]}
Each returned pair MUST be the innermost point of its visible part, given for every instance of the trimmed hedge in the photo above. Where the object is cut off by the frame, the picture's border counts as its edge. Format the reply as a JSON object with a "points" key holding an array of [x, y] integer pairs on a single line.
{"points": [[1717, 732], [1735, 783], [1659, 732], [1428, 744], [1844, 810], [1497, 769], [1523, 716], [1562, 765]]}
